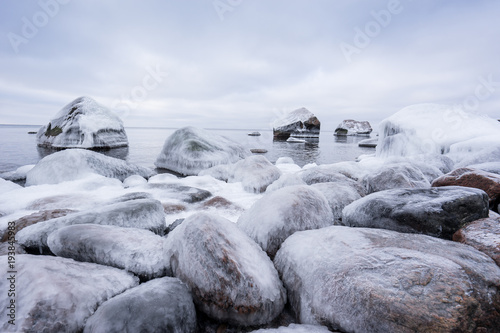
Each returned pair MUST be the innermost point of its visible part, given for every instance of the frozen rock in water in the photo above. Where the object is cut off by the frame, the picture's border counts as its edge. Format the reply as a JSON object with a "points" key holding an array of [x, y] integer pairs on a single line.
{"points": [[353, 127], [135, 250], [18, 174], [483, 235], [486, 155], [7, 185], [284, 160], [338, 196], [72, 164], [284, 181], [437, 211], [230, 277], [279, 214], [488, 182], [134, 180], [330, 173], [299, 123], [184, 193], [160, 305], [390, 176], [190, 150], [368, 143], [58, 295], [143, 214], [372, 280], [493, 167], [83, 123], [294, 328]]}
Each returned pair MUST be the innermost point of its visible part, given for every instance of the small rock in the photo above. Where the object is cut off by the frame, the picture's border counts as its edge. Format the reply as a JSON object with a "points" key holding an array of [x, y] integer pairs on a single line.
{"points": [[353, 127], [258, 151]]}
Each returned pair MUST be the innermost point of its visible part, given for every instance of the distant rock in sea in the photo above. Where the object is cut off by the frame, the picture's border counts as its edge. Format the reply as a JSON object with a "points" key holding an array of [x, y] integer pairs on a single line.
{"points": [[368, 143], [83, 123], [299, 123], [353, 127]]}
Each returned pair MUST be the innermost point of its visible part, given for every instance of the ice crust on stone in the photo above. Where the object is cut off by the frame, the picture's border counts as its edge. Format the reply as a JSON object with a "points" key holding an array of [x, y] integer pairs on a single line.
{"points": [[7, 186], [83, 123], [134, 180], [295, 328], [395, 175], [298, 123], [338, 196], [18, 174], [190, 150], [353, 127], [284, 181]]}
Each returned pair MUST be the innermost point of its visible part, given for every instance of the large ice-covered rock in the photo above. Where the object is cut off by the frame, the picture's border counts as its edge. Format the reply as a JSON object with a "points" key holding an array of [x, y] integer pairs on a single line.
{"points": [[390, 176], [279, 214], [331, 173], [83, 123], [72, 164], [338, 196], [288, 179], [372, 280], [189, 150], [230, 277], [54, 294], [135, 250], [353, 127], [299, 123], [160, 305], [437, 211], [7, 185]]}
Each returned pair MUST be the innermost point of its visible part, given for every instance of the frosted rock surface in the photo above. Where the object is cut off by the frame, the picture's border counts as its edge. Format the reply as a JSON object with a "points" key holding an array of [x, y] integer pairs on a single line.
{"points": [[18, 174], [437, 212], [390, 176], [330, 174], [353, 127], [493, 167], [7, 185], [135, 250], [72, 164], [284, 181], [134, 180], [338, 197], [295, 328], [160, 305], [190, 150], [230, 277], [83, 123], [58, 295], [298, 123], [372, 280], [279, 214]]}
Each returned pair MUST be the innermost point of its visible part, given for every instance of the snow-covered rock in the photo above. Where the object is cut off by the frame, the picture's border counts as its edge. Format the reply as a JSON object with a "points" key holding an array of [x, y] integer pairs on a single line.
{"points": [[279, 214], [183, 193], [353, 127], [284, 160], [18, 174], [295, 328], [160, 305], [284, 181], [369, 280], [437, 212], [83, 123], [72, 164], [330, 173], [135, 250], [7, 185], [299, 123], [390, 176], [338, 196], [57, 294], [190, 150], [368, 143], [493, 167], [230, 277], [134, 180]]}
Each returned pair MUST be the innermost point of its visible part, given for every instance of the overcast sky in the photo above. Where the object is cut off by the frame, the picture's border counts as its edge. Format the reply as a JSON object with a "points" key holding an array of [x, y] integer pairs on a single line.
{"points": [[243, 63]]}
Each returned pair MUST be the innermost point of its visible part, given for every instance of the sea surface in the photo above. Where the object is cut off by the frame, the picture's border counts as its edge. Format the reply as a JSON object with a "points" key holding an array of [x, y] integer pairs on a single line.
{"points": [[18, 148]]}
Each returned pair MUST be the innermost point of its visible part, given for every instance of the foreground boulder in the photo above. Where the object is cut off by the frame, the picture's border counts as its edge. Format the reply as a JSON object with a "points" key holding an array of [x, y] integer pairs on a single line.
{"points": [[437, 212], [72, 164], [279, 214], [83, 123], [390, 176], [353, 127], [230, 277], [160, 305], [57, 294], [135, 250], [299, 123], [370, 280], [189, 150]]}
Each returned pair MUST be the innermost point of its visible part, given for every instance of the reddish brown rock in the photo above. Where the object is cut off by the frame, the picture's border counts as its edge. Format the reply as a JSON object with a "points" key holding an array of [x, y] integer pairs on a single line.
{"points": [[220, 203], [483, 235], [468, 177], [170, 208]]}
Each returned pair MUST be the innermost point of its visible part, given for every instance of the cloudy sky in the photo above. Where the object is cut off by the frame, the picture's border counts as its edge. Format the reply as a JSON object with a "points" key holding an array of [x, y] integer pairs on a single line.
{"points": [[243, 63]]}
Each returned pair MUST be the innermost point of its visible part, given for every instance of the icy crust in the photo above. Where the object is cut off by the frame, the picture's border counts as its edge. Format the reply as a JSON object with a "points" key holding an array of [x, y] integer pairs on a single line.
{"points": [[57, 294], [72, 164], [83, 123], [483, 235], [7, 186], [189, 150], [135, 250], [300, 122], [160, 305], [279, 214], [230, 277], [338, 196], [353, 127], [395, 175], [371, 280]]}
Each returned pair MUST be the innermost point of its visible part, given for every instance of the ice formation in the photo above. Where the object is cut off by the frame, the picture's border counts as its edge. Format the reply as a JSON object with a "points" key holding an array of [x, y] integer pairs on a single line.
{"points": [[394, 175], [7, 185], [353, 127], [338, 196], [83, 123], [299, 123], [295, 328]]}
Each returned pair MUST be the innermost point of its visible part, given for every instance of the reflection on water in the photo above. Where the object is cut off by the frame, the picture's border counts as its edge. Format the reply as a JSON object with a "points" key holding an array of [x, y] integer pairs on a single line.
{"points": [[121, 152]]}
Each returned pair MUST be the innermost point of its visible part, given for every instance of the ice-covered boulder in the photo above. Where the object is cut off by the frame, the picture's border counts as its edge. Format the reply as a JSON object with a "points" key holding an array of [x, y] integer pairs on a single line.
{"points": [[7, 185], [368, 143], [299, 123], [295, 328], [279, 214], [338, 196], [189, 150], [142, 214], [18, 174], [72, 164], [437, 211], [160, 305], [330, 173], [183, 193], [284, 181], [390, 176], [353, 127], [57, 294], [83, 123], [134, 180], [135, 250], [372, 280], [493, 167], [230, 277]]}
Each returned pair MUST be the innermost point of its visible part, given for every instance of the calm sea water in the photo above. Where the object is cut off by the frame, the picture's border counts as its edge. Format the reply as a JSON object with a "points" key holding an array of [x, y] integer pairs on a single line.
{"points": [[18, 148]]}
